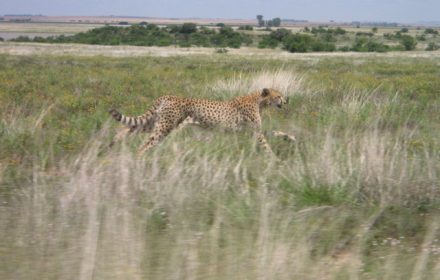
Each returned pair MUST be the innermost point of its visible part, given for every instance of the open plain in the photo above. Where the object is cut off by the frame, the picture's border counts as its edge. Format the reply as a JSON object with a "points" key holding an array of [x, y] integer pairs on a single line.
{"points": [[356, 197]]}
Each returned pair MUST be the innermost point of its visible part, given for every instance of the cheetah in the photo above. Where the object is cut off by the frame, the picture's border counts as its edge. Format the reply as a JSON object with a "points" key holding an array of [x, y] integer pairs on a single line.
{"points": [[172, 112]]}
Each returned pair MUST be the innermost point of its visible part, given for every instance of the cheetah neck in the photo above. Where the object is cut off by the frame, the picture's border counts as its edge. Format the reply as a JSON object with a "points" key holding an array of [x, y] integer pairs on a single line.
{"points": [[253, 98]]}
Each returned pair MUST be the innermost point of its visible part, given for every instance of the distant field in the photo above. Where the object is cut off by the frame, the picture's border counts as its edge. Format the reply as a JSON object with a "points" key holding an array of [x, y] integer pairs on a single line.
{"points": [[129, 51], [71, 26], [10, 30], [117, 19]]}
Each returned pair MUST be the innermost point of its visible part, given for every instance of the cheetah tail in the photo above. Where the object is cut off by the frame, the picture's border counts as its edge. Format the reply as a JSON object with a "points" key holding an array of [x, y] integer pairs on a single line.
{"points": [[125, 120]]}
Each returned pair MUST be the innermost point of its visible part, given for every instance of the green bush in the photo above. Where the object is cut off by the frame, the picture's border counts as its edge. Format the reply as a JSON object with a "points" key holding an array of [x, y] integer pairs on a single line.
{"points": [[431, 31], [367, 34], [246, 27], [188, 28], [268, 42], [408, 42], [432, 47], [280, 34], [306, 43], [344, 49], [421, 37], [367, 45]]}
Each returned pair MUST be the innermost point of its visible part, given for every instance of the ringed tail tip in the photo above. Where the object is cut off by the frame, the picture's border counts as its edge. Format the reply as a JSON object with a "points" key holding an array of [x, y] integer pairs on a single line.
{"points": [[115, 114]]}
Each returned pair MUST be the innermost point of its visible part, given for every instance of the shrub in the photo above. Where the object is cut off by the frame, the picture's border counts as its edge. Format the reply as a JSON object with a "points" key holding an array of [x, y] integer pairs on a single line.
{"points": [[205, 30], [188, 28], [22, 38], [280, 34], [339, 31], [320, 46], [246, 27], [388, 36], [432, 47], [431, 31], [173, 28], [305, 43], [268, 42], [408, 42], [344, 49], [366, 45], [320, 29], [367, 34], [421, 37], [221, 50]]}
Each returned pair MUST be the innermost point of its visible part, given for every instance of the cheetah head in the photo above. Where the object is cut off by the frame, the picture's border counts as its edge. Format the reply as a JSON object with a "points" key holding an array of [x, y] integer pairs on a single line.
{"points": [[272, 97]]}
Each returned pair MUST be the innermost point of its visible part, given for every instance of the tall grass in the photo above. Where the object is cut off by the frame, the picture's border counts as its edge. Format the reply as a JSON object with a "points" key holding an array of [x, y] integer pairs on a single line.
{"points": [[285, 81], [356, 197]]}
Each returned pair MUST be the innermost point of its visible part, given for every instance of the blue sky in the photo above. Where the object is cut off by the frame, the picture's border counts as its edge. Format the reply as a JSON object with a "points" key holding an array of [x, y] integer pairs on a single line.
{"points": [[314, 10]]}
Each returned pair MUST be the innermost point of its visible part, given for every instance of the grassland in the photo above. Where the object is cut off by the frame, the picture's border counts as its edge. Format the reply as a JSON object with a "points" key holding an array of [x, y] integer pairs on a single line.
{"points": [[11, 30], [357, 197]]}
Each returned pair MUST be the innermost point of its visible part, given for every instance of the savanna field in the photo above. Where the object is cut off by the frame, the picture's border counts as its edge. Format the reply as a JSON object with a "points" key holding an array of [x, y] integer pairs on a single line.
{"points": [[357, 196]]}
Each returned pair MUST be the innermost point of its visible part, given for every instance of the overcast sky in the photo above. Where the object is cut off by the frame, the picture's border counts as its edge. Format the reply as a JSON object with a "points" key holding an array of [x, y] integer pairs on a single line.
{"points": [[313, 10]]}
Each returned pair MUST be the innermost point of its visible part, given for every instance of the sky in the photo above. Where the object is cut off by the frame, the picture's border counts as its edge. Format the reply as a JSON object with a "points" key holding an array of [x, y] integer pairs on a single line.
{"points": [[403, 11]]}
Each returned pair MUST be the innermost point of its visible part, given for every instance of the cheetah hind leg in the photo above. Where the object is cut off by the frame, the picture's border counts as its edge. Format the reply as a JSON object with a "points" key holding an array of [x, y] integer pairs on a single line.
{"points": [[160, 131], [123, 133]]}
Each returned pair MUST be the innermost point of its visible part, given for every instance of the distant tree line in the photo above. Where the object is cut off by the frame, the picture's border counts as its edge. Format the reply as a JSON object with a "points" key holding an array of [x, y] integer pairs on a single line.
{"points": [[314, 39], [275, 22], [323, 39], [296, 42], [185, 35]]}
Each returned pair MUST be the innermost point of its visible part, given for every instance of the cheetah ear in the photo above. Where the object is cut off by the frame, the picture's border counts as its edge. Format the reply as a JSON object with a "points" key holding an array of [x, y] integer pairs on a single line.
{"points": [[265, 92]]}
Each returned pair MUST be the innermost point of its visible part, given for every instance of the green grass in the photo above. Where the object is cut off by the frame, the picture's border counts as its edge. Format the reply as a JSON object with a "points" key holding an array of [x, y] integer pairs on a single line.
{"points": [[356, 197]]}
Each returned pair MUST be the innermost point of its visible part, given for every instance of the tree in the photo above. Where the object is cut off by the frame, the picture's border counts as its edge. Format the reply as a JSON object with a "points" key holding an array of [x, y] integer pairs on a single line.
{"points": [[260, 20], [408, 42], [280, 34], [188, 28], [431, 31], [432, 47], [276, 22], [374, 30]]}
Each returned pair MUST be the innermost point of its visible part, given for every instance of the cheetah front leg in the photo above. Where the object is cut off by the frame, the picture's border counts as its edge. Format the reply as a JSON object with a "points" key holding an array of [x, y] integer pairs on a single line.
{"points": [[285, 136], [185, 123], [263, 143]]}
